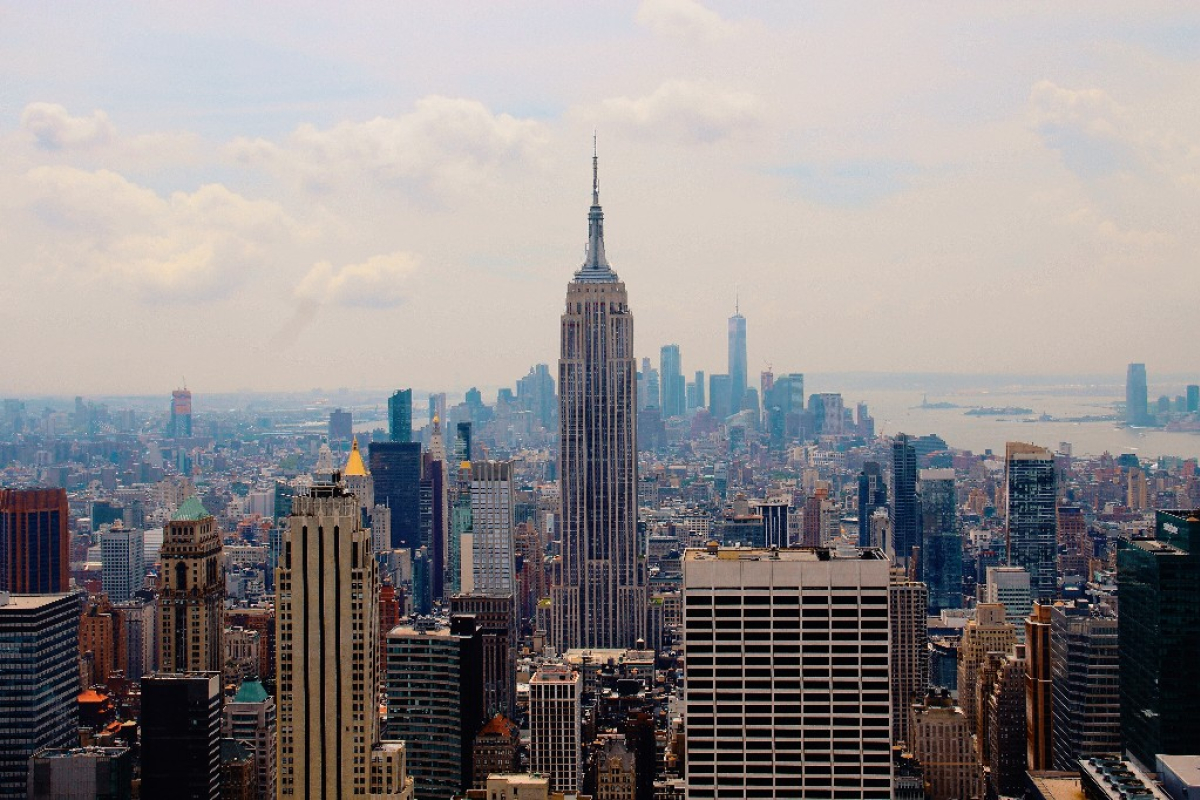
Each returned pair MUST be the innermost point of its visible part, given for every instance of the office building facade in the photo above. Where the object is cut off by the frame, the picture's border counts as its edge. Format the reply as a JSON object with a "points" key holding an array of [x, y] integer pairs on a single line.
{"points": [[905, 510], [556, 726], [181, 736], [39, 662], [396, 471], [1030, 516], [790, 649], [400, 416], [191, 592], [122, 561], [909, 669], [940, 539], [34, 543], [1085, 681], [493, 564]]}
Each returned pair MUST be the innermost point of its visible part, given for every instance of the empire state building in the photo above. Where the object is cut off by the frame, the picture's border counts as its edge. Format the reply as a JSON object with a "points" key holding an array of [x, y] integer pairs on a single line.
{"points": [[600, 600]]}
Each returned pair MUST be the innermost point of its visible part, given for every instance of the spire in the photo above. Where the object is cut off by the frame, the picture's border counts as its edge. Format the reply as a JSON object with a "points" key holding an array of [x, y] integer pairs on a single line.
{"points": [[595, 266]]}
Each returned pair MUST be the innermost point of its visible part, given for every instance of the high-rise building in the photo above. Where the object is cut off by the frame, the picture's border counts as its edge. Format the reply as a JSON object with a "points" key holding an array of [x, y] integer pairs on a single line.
{"points": [[673, 385], [180, 426], [39, 665], [1084, 665], [81, 773], [699, 382], [600, 598], [719, 392], [1030, 518], [1136, 396], [1192, 403], [495, 750], [492, 562], [737, 361], [134, 637], [435, 702], [1158, 581], [940, 539], [396, 471], [1005, 746], [909, 671], [122, 554], [872, 494], [790, 648], [536, 393], [327, 655], [1009, 586], [181, 736], [435, 512], [34, 544], [941, 741], [250, 717], [341, 425], [905, 511], [191, 592], [496, 618], [989, 632], [556, 726], [400, 416], [1039, 696]]}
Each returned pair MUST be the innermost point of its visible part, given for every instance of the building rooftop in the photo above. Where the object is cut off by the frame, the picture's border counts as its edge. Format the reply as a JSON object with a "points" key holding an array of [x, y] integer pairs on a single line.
{"points": [[1119, 780], [27, 602], [355, 467], [250, 692], [192, 510], [721, 553]]}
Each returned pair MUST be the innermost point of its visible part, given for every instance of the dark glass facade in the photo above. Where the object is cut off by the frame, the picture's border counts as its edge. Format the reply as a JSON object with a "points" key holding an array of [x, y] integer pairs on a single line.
{"points": [[905, 524], [34, 545], [400, 416], [872, 495], [181, 736], [941, 540], [1159, 632], [396, 470]]}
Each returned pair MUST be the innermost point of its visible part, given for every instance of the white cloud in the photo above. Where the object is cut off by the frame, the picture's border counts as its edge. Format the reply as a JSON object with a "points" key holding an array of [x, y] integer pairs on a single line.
{"points": [[53, 128], [683, 18], [444, 145], [379, 282], [688, 110], [100, 228]]}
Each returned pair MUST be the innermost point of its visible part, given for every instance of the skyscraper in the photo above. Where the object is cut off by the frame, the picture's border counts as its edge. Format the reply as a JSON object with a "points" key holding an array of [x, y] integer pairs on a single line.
{"points": [[906, 533], [1039, 697], [1086, 682], [989, 632], [1030, 518], [39, 662], [872, 494], [180, 426], [1009, 586], [34, 545], [328, 657], [434, 687], [1136, 396], [400, 416], [811, 719], [700, 403], [181, 736], [396, 472], [191, 592], [941, 539], [718, 397], [674, 397], [909, 673], [492, 559], [601, 599], [250, 717], [556, 726], [737, 361], [122, 560], [1158, 582]]}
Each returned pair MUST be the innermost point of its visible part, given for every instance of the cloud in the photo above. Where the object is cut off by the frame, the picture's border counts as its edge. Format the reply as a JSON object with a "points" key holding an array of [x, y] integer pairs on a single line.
{"points": [[379, 282], [683, 18], [688, 110], [101, 228], [444, 146], [53, 127]]}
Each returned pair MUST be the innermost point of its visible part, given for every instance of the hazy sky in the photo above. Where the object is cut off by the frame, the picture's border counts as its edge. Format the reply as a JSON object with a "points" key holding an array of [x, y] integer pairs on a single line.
{"points": [[282, 196]]}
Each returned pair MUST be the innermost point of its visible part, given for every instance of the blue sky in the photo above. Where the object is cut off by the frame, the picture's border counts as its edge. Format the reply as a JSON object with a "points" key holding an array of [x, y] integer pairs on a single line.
{"points": [[288, 195]]}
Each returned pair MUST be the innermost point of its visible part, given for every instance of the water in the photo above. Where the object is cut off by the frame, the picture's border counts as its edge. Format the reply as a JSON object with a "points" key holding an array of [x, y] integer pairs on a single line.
{"points": [[898, 411]]}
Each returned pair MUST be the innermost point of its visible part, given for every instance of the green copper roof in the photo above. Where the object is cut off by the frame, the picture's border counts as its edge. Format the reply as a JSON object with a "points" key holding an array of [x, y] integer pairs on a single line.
{"points": [[250, 692], [190, 511]]}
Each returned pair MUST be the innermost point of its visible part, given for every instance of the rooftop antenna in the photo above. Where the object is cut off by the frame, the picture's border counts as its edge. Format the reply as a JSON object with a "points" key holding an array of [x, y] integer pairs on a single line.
{"points": [[595, 171]]}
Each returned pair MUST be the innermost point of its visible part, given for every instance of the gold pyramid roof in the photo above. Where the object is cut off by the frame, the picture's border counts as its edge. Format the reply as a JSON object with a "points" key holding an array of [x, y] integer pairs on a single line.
{"points": [[355, 464]]}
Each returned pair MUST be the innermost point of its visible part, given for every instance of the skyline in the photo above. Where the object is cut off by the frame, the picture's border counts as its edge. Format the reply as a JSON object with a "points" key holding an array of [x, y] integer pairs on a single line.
{"points": [[267, 201]]}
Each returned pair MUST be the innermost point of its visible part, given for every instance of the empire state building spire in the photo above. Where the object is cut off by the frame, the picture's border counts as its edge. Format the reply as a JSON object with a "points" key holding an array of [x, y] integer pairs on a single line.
{"points": [[595, 266]]}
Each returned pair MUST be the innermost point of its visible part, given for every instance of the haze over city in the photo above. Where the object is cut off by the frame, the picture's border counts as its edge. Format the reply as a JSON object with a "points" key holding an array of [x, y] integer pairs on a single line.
{"points": [[275, 198]]}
